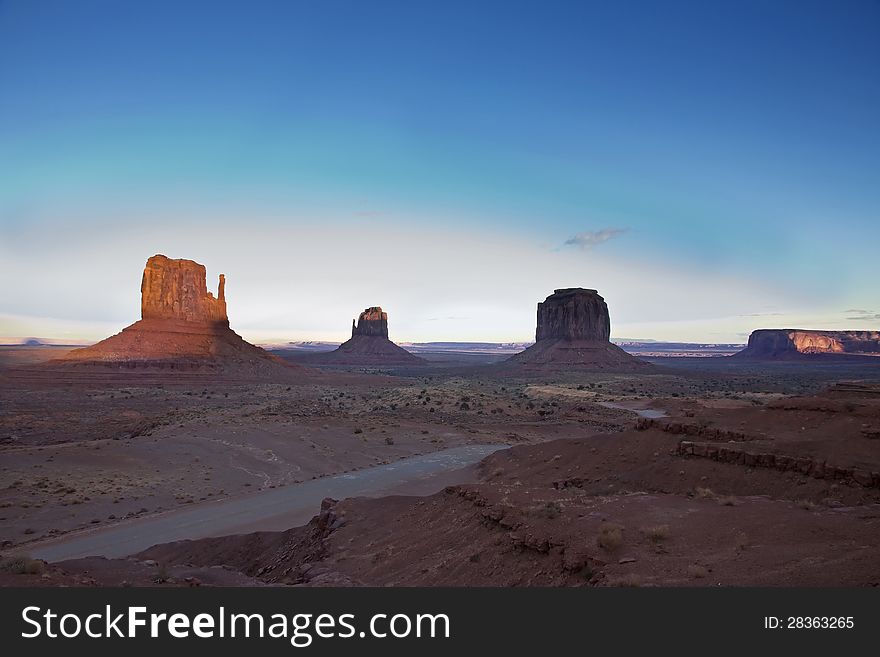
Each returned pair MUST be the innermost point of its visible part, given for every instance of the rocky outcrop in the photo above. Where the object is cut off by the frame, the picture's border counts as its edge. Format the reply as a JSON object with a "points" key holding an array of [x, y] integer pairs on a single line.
{"points": [[369, 344], [574, 331], [804, 465], [573, 313], [794, 343], [373, 322], [184, 328], [176, 289]]}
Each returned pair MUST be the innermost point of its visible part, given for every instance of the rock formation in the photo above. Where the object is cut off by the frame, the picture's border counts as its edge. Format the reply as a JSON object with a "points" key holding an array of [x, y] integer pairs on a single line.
{"points": [[176, 289], [372, 322], [182, 327], [573, 331], [573, 314], [798, 343], [369, 344]]}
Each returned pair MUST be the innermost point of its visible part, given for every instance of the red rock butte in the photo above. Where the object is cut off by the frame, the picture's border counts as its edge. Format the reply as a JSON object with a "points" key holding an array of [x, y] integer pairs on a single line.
{"points": [[786, 344], [573, 332], [182, 327], [176, 289], [369, 344]]}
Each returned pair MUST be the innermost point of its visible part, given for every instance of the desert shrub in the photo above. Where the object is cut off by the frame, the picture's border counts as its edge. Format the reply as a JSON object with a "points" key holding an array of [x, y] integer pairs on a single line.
{"points": [[630, 579], [656, 534], [610, 537], [21, 565], [550, 509], [704, 492], [161, 574]]}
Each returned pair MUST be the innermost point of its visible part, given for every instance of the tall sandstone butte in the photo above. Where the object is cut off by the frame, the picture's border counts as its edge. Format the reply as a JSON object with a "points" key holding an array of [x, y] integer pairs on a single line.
{"points": [[373, 321], [797, 343], [182, 327], [574, 331], [369, 344], [177, 289]]}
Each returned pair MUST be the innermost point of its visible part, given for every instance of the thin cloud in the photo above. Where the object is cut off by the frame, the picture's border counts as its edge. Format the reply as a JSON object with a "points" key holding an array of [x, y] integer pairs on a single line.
{"points": [[590, 238], [861, 315]]}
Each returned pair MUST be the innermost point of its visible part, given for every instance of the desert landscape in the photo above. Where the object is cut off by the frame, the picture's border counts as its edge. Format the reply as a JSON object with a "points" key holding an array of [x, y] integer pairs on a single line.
{"points": [[177, 454], [549, 293]]}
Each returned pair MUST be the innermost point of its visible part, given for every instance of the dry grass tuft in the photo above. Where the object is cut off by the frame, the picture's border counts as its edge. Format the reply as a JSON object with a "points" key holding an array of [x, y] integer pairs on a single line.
{"points": [[610, 537], [656, 534], [21, 565], [630, 579]]}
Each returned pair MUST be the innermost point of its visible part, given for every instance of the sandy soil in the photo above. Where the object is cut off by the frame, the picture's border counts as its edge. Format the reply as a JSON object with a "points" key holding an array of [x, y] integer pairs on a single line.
{"points": [[77, 453]]}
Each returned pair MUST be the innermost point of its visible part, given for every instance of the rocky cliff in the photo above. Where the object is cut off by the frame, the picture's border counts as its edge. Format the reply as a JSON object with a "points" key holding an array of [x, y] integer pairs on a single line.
{"points": [[183, 328], [794, 343], [573, 313], [373, 322], [573, 331], [176, 289]]}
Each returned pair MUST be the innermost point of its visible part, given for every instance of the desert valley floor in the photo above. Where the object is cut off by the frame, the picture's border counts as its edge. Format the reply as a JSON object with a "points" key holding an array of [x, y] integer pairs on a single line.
{"points": [[701, 471]]}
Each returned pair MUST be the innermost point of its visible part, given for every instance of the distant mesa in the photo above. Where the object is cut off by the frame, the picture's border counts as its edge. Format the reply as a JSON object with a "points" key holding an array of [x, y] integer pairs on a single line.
{"points": [[789, 344], [369, 344], [182, 327], [574, 331]]}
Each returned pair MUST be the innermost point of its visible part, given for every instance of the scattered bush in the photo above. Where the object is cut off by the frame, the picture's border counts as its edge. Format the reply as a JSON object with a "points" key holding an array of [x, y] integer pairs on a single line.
{"points": [[610, 537], [550, 509], [656, 534], [630, 579], [21, 565]]}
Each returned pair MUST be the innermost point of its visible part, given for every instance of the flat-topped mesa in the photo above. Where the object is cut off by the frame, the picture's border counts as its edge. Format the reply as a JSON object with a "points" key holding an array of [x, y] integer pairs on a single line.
{"points": [[787, 343], [373, 322], [573, 313], [574, 331], [176, 290]]}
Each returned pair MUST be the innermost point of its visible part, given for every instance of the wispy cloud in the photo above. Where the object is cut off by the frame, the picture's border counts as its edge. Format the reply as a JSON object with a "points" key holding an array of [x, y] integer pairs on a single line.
{"points": [[861, 315], [590, 238]]}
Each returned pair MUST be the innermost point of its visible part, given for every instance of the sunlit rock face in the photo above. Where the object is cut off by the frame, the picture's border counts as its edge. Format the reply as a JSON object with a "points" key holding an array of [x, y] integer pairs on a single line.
{"points": [[573, 332], [176, 289], [371, 322], [573, 313], [784, 343], [183, 327]]}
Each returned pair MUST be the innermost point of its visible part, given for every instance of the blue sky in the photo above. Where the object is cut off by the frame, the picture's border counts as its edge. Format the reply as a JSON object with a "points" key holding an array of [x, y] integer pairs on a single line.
{"points": [[409, 154]]}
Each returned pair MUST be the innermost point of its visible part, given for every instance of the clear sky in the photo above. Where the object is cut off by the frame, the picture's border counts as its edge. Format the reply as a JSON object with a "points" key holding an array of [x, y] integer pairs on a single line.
{"points": [[710, 167]]}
